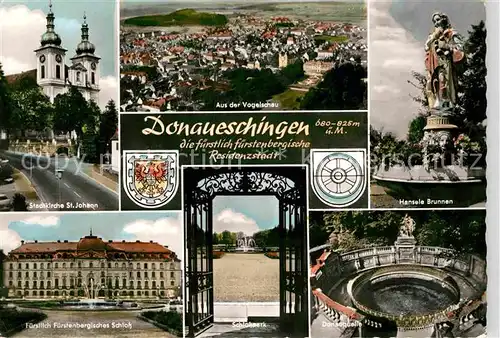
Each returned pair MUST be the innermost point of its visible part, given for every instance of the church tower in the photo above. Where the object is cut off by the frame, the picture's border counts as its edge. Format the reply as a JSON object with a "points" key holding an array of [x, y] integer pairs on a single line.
{"points": [[84, 72], [282, 60], [51, 61]]}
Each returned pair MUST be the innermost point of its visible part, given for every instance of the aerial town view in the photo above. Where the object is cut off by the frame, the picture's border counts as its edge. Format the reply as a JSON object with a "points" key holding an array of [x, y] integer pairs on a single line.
{"points": [[243, 56]]}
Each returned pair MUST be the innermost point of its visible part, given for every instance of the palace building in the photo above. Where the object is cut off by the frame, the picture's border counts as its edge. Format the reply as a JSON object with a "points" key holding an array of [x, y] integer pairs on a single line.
{"points": [[92, 268], [52, 73]]}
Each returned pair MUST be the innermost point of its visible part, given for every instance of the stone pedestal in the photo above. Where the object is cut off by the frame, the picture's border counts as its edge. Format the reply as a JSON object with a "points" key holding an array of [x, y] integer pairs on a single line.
{"points": [[405, 249]]}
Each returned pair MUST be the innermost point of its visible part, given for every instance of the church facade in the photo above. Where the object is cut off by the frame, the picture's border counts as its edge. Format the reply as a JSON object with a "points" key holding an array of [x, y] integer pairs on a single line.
{"points": [[54, 76], [92, 268]]}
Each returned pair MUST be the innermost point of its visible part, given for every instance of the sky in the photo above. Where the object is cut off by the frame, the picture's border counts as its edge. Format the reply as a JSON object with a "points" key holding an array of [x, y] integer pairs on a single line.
{"points": [[24, 21], [398, 31], [165, 228], [248, 214]]}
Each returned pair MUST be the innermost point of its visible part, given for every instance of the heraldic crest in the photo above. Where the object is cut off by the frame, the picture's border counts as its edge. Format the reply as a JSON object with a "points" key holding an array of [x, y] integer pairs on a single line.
{"points": [[151, 179]]}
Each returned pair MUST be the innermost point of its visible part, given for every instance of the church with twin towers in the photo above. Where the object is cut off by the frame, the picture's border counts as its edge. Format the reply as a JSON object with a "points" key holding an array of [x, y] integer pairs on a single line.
{"points": [[54, 76]]}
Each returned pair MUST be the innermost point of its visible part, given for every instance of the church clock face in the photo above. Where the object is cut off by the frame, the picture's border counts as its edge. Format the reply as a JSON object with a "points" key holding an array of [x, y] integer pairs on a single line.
{"points": [[58, 58], [93, 66], [42, 58]]}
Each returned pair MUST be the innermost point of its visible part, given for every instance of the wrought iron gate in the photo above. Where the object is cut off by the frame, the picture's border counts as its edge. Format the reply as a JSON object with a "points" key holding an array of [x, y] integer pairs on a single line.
{"points": [[288, 185]]}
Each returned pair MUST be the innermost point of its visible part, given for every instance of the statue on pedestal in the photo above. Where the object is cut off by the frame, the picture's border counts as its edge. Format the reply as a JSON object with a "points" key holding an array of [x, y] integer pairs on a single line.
{"points": [[407, 227], [444, 50]]}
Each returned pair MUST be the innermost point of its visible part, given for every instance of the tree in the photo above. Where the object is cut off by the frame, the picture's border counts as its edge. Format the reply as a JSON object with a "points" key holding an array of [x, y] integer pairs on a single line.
{"points": [[473, 82], [107, 126], [5, 102], [416, 129], [343, 87], [72, 112], [32, 110], [19, 202]]}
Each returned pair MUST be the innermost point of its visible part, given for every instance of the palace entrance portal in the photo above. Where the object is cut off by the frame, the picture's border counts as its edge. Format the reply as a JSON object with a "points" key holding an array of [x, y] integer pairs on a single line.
{"points": [[288, 185]]}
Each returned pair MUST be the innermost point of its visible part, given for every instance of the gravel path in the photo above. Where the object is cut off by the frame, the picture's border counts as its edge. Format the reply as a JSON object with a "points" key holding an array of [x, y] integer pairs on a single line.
{"points": [[246, 278]]}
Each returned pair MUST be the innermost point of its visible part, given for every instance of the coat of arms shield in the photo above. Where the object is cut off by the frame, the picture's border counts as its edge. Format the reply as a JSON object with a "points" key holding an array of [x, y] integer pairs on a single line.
{"points": [[151, 179]]}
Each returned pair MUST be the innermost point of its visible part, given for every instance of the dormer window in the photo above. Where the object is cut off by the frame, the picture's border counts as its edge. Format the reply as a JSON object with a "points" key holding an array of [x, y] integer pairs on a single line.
{"points": [[78, 77]]}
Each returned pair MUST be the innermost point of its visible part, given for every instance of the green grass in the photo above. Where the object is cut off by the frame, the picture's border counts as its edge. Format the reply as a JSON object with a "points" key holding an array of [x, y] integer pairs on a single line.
{"points": [[183, 17], [329, 38], [289, 99]]}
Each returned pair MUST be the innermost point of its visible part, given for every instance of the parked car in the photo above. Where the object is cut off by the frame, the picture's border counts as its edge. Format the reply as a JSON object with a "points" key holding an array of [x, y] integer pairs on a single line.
{"points": [[5, 202], [4, 160]]}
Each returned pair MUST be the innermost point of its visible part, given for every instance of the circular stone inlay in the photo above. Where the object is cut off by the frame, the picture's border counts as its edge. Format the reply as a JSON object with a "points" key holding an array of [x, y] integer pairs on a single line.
{"points": [[407, 296]]}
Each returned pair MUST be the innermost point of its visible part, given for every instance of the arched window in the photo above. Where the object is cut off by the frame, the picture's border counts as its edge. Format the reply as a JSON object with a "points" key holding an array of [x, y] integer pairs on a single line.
{"points": [[58, 71], [78, 76], [42, 72]]}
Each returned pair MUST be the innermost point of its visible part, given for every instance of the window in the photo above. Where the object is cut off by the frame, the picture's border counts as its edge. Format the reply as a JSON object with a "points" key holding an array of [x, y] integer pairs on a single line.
{"points": [[162, 284], [27, 274], [78, 75], [42, 72], [145, 274], [124, 266], [161, 274], [102, 273], [64, 266], [93, 78], [116, 265], [131, 284], [172, 282], [41, 284], [138, 274], [34, 265], [71, 265], [27, 266], [172, 266], [153, 274], [48, 284], [145, 265], [153, 266], [124, 282], [48, 265], [138, 266], [34, 284], [56, 282], [26, 284], [11, 266], [11, 283], [18, 283], [41, 265], [79, 265], [19, 266], [91, 265], [56, 265], [48, 274], [109, 265], [103, 265], [161, 265], [58, 72], [172, 274], [34, 274], [154, 284], [146, 284], [19, 274], [10, 274], [138, 284]]}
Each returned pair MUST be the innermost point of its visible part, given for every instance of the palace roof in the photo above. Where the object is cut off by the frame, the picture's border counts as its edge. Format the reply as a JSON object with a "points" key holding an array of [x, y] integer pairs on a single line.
{"points": [[91, 243]]}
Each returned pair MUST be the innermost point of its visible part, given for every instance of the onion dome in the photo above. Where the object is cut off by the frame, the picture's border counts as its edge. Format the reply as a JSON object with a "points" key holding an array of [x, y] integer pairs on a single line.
{"points": [[50, 37], [85, 46]]}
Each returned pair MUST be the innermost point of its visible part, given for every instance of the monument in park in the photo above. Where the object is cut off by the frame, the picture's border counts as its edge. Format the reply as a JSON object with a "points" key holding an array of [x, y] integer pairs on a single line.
{"points": [[447, 156]]}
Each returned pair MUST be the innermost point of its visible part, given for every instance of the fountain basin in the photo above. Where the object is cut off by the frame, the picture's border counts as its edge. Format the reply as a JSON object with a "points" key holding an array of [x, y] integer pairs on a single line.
{"points": [[393, 292], [444, 186]]}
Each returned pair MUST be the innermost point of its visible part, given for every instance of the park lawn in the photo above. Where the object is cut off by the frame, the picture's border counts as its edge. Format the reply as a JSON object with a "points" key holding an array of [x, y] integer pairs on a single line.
{"points": [[289, 99], [330, 38]]}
